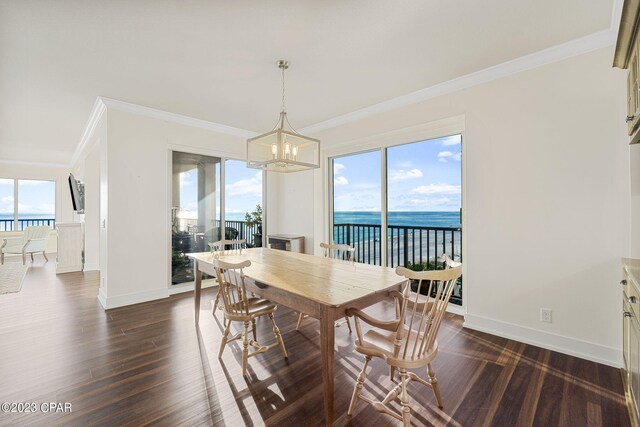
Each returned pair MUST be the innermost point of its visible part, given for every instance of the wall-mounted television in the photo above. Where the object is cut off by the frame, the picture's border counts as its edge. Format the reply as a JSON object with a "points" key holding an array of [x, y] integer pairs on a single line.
{"points": [[77, 194]]}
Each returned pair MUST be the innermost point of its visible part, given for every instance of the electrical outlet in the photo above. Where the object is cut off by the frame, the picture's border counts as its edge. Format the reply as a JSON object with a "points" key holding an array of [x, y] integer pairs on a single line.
{"points": [[545, 315]]}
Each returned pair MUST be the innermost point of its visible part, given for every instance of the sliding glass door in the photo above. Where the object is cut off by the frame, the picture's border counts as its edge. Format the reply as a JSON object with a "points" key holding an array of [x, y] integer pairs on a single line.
{"points": [[211, 199], [357, 210], [243, 202], [195, 210]]}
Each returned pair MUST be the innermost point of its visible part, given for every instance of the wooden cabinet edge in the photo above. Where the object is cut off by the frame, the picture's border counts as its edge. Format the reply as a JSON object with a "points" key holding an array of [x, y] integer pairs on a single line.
{"points": [[627, 33], [633, 415]]}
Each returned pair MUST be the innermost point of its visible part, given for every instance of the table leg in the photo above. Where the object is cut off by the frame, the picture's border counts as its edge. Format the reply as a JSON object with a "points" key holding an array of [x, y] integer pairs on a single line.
{"points": [[327, 340], [196, 290]]}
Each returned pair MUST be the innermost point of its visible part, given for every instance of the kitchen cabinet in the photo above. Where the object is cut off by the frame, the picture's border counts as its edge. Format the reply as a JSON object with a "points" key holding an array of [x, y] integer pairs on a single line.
{"points": [[631, 336], [627, 57]]}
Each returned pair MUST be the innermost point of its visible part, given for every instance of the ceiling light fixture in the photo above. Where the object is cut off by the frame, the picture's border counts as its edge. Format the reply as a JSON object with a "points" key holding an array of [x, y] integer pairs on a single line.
{"points": [[283, 149]]}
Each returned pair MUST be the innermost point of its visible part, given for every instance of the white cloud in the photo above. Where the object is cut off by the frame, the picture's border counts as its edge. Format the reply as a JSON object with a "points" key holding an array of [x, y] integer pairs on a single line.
{"points": [[32, 182], [248, 186], [437, 189], [400, 174], [6, 181], [185, 179], [338, 168], [44, 208], [7, 200], [451, 140], [340, 180], [444, 155], [25, 208]]}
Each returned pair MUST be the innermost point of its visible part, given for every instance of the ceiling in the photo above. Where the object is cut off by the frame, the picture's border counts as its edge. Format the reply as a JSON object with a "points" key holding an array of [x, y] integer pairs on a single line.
{"points": [[215, 60]]}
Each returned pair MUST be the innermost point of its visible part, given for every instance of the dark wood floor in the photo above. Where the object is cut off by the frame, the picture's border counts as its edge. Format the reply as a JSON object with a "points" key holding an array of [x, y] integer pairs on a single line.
{"points": [[147, 364]]}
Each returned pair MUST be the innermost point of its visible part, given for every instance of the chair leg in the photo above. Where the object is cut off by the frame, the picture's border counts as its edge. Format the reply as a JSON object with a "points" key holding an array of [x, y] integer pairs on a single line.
{"points": [[392, 372], [253, 325], [1, 258], [45, 256], [300, 317], [276, 332], [215, 303], [223, 344], [31, 253], [434, 384], [348, 324], [245, 347], [404, 399], [358, 387], [24, 258]]}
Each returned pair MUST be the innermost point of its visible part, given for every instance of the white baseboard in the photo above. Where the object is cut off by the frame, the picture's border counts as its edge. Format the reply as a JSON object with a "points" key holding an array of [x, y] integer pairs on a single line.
{"points": [[91, 267], [455, 309], [102, 298], [563, 344], [69, 268], [129, 299]]}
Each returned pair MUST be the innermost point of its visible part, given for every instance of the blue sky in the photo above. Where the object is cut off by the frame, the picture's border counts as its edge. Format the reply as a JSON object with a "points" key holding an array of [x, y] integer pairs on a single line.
{"points": [[35, 197], [243, 189], [422, 176]]}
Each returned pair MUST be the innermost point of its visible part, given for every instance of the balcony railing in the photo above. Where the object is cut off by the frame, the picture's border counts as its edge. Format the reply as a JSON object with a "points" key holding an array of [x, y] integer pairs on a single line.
{"points": [[8, 224], [415, 247], [243, 232]]}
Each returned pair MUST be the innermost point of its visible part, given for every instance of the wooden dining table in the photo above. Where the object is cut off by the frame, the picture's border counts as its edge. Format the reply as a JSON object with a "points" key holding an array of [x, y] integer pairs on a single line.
{"points": [[323, 288]]}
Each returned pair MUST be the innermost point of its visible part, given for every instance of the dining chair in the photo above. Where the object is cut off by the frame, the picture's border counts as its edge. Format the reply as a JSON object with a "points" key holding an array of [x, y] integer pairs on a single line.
{"points": [[225, 247], [340, 252], [409, 341], [240, 307]]}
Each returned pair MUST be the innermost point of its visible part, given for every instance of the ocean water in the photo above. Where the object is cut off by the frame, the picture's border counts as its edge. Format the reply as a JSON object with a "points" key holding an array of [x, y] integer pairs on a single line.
{"points": [[418, 219], [27, 216]]}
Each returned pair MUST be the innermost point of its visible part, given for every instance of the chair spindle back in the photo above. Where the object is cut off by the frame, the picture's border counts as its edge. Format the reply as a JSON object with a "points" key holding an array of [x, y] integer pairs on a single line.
{"points": [[226, 247], [426, 312], [232, 287]]}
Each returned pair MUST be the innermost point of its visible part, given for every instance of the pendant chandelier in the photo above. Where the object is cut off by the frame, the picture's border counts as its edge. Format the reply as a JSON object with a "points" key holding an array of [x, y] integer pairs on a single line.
{"points": [[283, 149]]}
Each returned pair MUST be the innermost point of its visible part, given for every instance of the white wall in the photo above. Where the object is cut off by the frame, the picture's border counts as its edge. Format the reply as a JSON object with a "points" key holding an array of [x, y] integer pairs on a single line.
{"points": [[64, 209], [137, 194], [547, 200], [287, 190]]}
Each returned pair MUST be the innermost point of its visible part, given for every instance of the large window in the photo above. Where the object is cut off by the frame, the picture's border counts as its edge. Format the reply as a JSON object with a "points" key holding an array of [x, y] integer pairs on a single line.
{"points": [[401, 205], [25, 202]]}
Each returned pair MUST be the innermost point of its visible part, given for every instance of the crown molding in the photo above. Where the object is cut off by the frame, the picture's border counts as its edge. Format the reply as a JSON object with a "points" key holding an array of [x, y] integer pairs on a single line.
{"points": [[547, 56], [102, 104], [551, 55], [176, 118], [94, 118]]}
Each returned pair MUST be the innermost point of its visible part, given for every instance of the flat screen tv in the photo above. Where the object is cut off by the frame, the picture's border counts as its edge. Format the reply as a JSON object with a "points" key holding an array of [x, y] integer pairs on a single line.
{"points": [[77, 194]]}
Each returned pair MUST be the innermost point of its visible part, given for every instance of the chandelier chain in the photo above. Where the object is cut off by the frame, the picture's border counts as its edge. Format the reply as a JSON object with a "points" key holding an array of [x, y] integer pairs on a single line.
{"points": [[282, 106]]}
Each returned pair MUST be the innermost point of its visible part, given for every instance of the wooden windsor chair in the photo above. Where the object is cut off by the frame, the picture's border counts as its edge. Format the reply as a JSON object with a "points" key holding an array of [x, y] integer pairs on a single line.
{"points": [[409, 341], [224, 247], [240, 307], [340, 252]]}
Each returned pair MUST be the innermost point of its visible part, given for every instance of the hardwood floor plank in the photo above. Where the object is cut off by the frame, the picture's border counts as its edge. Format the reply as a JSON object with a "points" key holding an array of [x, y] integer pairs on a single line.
{"points": [[149, 365]]}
